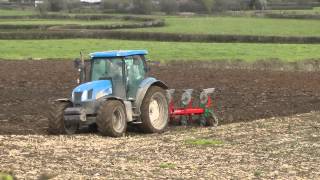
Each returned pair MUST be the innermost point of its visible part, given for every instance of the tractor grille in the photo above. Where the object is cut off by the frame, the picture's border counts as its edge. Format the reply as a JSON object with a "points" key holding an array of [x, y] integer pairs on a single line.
{"points": [[77, 96]]}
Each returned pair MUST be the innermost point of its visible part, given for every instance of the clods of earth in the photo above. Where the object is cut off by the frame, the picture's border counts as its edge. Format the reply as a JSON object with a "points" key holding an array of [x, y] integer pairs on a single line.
{"points": [[275, 148]]}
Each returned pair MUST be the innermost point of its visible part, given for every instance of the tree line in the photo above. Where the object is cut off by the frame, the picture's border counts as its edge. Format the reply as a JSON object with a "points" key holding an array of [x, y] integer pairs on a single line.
{"points": [[166, 6]]}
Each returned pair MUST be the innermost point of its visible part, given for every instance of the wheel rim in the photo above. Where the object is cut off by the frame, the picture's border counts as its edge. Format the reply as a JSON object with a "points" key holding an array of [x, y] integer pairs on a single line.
{"points": [[158, 111], [214, 119], [154, 110], [118, 120]]}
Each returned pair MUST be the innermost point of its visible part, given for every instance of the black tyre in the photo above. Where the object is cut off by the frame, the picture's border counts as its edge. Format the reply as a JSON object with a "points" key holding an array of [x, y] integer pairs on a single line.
{"points": [[57, 125], [212, 120], [154, 111], [111, 119]]}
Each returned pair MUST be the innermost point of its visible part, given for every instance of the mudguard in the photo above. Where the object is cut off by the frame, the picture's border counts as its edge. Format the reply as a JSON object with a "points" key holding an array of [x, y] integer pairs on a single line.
{"points": [[142, 90]]}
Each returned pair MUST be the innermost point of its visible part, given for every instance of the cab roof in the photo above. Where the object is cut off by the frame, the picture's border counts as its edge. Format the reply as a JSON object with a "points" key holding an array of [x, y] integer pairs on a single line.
{"points": [[118, 53]]}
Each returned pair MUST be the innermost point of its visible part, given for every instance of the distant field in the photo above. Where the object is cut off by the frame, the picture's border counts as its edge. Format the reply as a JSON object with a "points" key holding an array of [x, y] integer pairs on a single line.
{"points": [[200, 24], [4, 12], [239, 25], [315, 10], [161, 51], [60, 21]]}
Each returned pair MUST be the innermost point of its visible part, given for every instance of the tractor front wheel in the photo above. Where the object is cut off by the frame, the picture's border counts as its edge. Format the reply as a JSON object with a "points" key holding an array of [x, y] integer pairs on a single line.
{"points": [[111, 119], [154, 111], [57, 124]]}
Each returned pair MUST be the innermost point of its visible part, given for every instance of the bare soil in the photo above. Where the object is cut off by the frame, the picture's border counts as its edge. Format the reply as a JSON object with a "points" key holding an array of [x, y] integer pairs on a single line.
{"points": [[26, 88], [275, 148], [271, 147]]}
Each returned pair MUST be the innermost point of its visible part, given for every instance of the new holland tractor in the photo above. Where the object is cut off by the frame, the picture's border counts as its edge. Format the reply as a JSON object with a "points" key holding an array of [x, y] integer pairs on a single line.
{"points": [[116, 91]]}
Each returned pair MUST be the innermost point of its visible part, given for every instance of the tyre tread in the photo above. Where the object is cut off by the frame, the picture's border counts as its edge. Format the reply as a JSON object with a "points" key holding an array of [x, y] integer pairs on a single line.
{"points": [[146, 126], [56, 121], [104, 119]]}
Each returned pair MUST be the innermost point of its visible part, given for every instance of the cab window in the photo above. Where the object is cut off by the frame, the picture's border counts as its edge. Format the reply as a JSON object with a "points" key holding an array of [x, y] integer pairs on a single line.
{"points": [[135, 73]]}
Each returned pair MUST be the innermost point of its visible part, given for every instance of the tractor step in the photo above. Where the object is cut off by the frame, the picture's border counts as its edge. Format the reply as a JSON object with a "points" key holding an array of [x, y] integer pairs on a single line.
{"points": [[136, 122], [131, 99]]}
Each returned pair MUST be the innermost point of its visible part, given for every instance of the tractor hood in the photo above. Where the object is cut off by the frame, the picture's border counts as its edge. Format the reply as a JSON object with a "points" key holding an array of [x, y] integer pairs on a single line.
{"points": [[92, 90]]}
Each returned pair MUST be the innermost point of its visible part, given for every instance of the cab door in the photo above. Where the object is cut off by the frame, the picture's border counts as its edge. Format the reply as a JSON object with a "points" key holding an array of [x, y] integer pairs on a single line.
{"points": [[135, 71]]}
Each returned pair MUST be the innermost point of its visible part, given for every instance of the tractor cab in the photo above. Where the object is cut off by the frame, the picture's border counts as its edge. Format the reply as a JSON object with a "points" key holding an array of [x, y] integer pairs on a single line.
{"points": [[126, 71], [115, 91], [112, 73]]}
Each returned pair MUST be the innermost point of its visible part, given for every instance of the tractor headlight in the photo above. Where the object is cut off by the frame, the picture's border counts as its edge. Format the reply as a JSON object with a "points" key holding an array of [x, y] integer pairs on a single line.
{"points": [[103, 93], [84, 96]]}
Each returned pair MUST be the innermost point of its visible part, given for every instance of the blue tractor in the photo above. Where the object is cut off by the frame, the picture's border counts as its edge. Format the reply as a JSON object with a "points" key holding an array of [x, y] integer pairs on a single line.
{"points": [[113, 92]]}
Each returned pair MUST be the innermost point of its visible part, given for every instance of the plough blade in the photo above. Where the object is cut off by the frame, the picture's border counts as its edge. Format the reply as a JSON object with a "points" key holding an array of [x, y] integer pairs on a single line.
{"points": [[186, 97], [170, 93], [204, 96]]}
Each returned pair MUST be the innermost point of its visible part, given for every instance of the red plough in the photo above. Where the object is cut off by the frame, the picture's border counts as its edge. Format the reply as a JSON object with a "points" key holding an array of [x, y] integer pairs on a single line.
{"points": [[187, 111]]}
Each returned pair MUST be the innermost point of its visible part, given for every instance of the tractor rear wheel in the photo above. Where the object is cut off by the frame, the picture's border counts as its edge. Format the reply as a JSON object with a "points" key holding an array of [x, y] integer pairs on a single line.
{"points": [[111, 119], [154, 111], [57, 124]]}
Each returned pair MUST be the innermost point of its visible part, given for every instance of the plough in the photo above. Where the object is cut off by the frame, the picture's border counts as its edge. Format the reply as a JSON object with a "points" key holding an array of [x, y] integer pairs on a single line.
{"points": [[187, 112]]}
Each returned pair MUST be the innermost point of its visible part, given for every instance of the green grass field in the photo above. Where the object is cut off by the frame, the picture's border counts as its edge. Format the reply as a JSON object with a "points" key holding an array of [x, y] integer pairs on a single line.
{"points": [[166, 51], [4, 12], [160, 51], [200, 25], [239, 25]]}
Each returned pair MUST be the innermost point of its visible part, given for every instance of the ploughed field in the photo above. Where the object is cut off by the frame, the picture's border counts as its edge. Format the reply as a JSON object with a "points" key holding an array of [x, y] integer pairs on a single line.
{"points": [[27, 87], [275, 148]]}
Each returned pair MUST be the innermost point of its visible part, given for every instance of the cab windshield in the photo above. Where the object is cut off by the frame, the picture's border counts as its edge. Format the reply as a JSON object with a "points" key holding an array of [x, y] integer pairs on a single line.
{"points": [[106, 68]]}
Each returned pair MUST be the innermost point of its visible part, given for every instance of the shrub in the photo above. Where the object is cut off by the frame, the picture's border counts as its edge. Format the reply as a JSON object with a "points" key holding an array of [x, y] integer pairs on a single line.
{"points": [[190, 6], [259, 4], [42, 8], [142, 7], [72, 5], [208, 5], [109, 4], [57, 5], [121, 6], [169, 6], [223, 5]]}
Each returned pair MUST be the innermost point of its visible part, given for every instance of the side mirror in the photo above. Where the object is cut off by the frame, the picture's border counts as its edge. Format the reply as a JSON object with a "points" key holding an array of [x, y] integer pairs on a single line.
{"points": [[77, 63], [157, 63]]}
